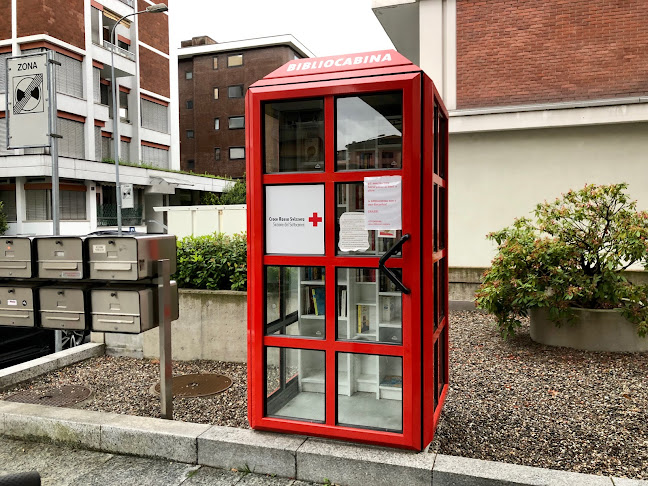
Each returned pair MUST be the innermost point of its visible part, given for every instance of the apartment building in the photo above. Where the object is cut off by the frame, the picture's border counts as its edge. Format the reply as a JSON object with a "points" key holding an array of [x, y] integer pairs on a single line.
{"points": [[543, 96], [212, 80], [78, 34]]}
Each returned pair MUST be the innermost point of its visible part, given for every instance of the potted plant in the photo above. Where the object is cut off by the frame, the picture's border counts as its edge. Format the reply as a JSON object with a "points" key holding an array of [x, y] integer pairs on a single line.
{"points": [[566, 269]]}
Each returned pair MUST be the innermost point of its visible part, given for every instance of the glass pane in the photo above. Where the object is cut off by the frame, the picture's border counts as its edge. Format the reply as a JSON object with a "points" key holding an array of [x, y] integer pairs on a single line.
{"points": [[294, 136], [235, 60], [370, 391], [295, 384], [369, 132], [296, 301], [235, 91], [350, 199], [369, 307]]}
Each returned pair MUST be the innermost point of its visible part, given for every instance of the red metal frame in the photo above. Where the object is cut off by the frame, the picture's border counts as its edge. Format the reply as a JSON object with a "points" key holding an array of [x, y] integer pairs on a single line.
{"points": [[415, 350]]}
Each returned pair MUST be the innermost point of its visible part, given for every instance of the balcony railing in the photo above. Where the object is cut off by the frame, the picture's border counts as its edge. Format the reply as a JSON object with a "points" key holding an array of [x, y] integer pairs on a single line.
{"points": [[127, 2], [107, 215], [118, 50]]}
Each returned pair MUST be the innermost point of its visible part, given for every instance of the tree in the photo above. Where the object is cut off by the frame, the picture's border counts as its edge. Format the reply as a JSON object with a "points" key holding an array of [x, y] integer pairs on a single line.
{"points": [[3, 220]]}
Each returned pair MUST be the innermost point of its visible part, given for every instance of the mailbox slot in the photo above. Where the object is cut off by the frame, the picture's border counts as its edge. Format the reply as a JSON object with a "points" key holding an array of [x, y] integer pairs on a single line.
{"points": [[16, 257], [129, 257], [18, 305], [122, 310], [65, 307], [60, 257]]}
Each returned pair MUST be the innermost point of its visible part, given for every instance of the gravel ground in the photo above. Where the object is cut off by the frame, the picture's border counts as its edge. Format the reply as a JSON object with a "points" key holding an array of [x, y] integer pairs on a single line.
{"points": [[512, 401]]}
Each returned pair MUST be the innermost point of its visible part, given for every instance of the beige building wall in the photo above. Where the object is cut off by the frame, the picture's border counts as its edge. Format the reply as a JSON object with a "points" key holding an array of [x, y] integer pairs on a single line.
{"points": [[498, 176]]}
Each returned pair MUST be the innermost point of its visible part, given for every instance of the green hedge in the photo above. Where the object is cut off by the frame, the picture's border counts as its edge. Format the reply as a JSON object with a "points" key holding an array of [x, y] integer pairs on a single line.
{"points": [[213, 262]]}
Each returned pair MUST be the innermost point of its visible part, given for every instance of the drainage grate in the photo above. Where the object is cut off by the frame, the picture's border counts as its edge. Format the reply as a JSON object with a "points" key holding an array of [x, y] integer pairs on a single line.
{"points": [[198, 385], [60, 396]]}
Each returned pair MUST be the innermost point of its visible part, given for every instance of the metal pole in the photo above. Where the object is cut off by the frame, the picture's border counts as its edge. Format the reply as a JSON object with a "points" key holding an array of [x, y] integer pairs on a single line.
{"points": [[116, 119], [54, 136], [164, 313]]}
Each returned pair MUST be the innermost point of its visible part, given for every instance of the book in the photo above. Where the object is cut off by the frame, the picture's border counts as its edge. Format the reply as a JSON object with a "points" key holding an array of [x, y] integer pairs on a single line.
{"points": [[319, 300], [363, 319]]}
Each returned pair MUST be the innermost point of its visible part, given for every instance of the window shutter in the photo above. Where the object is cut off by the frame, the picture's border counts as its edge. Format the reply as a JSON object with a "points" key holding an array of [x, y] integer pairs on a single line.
{"points": [[38, 204], [72, 144], [155, 116], [96, 85], [3, 70], [97, 137]]}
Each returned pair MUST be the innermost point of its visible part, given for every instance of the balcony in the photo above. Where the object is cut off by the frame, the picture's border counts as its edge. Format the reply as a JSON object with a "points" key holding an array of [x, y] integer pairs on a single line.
{"points": [[118, 50], [107, 215]]}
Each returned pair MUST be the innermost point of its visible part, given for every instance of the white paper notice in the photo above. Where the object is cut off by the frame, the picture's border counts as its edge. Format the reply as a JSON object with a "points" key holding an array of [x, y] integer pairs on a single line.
{"points": [[353, 235], [382, 203]]}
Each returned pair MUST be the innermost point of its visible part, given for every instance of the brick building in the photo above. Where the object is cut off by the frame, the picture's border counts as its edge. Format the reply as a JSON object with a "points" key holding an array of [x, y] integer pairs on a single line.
{"points": [[543, 96], [78, 33], [212, 81]]}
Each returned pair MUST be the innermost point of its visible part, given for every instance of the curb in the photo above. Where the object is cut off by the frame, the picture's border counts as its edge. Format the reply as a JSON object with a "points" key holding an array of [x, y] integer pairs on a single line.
{"points": [[31, 369], [303, 458]]}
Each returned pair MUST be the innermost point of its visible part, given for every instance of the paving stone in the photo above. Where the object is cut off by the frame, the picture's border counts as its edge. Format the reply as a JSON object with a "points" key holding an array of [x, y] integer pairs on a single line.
{"points": [[135, 471], [149, 437], [350, 464], [263, 480], [57, 466], [260, 452], [208, 476], [63, 425], [452, 470]]}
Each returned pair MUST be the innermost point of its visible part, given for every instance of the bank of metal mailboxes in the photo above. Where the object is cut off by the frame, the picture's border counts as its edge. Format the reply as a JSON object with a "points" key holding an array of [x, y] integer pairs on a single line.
{"points": [[60, 257], [18, 305], [16, 257], [65, 306], [129, 257], [128, 310]]}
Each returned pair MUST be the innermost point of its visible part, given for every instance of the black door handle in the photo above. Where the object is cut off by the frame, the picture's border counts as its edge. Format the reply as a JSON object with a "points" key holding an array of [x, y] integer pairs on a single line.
{"points": [[391, 275]]}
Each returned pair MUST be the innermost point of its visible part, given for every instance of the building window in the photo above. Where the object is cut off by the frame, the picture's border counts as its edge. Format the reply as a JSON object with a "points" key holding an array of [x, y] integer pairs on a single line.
{"points": [[216, 123], [69, 76], [158, 157], [8, 198], [215, 93], [189, 75], [235, 60], [104, 92], [215, 63], [155, 116], [191, 164], [123, 106], [39, 204], [236, 122], [190, 134], [95, 14], [235, 91], [189, 104], [236, 153], [217, 153], [73, 142]]}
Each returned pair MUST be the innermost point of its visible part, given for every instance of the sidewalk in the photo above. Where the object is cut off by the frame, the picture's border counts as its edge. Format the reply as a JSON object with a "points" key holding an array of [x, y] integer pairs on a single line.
{"points": [[64, 466]]}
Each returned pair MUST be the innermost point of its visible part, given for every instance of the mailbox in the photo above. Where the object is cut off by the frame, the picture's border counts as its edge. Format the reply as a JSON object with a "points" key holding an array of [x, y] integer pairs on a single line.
{"points": [[18, 305], [129, 257], [126, 310], [173, 302], [65, 306], [60, 257], [16, 257]]}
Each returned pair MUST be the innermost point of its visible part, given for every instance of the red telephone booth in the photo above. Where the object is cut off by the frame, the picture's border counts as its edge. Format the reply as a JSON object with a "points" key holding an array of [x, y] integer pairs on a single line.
{"points": [[347, 250]]}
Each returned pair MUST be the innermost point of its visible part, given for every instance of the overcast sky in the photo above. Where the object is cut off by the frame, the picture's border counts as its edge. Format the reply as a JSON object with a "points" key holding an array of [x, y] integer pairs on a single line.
{"points": [[325, 27]]}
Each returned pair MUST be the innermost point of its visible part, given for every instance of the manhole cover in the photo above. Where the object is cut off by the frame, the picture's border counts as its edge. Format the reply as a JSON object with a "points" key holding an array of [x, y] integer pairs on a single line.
{"points": [[60, 396], [199, 385]]}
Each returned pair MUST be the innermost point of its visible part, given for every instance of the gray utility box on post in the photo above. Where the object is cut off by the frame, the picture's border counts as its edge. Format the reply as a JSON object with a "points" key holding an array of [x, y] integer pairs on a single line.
{"points": [[60, 257], [16, 257], [128, 309], [129, 257], [18, 304], [65, 306]]}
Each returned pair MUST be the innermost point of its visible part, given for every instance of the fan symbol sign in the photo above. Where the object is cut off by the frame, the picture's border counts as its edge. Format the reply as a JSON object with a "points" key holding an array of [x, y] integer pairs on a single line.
{"points": [[28, 94]]}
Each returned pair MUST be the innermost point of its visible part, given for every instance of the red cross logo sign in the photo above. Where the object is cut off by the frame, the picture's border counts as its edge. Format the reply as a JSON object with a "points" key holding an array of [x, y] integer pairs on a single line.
{"points": [[315, 219]]}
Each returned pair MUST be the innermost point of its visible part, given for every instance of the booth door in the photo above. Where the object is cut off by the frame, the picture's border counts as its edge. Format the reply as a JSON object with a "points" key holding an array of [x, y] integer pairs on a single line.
{"points": [[341, 352]]}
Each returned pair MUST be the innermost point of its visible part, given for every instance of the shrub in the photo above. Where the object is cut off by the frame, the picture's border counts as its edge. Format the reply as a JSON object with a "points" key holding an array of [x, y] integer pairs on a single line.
{"points": [[214, 262], [235, 194], [572, 255]]}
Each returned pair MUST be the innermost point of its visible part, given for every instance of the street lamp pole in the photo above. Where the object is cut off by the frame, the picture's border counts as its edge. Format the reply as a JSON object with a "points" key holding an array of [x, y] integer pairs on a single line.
{"points": [[160, 7]]}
